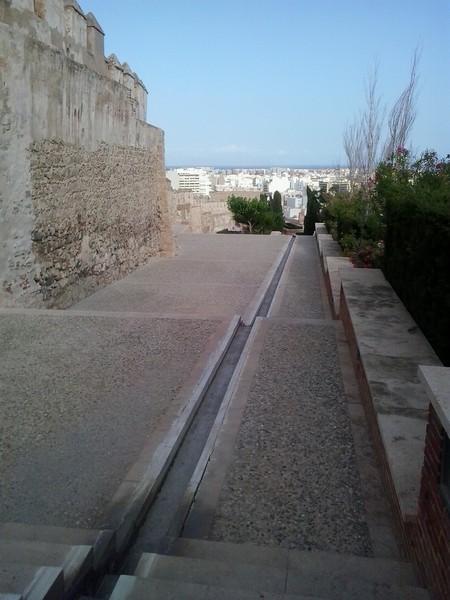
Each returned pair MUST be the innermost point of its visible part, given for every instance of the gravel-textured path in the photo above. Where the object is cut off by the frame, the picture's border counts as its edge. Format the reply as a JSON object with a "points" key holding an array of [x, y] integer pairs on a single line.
{"points": [[293, 479], [83, 392]]}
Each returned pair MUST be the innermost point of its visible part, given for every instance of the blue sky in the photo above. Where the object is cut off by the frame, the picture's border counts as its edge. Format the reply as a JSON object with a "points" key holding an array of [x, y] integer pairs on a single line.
{"points": [[275, 82]]}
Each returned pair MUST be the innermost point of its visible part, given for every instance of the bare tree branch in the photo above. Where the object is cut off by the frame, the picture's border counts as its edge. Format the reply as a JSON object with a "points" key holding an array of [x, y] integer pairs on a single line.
{"points": [[403, 114], [372, 123], [353, 151]]}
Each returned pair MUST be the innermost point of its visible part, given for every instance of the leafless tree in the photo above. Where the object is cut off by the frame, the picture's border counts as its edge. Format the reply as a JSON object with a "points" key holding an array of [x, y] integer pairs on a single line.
{"points": [[403, 114], [362, 137], [353, 151], [371, 123]]}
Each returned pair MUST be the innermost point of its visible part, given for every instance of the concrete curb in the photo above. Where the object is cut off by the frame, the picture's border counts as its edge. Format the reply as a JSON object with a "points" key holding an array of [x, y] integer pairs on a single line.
{"points": [[279, 292], [141, 485], [210, 444], [251, 312]]}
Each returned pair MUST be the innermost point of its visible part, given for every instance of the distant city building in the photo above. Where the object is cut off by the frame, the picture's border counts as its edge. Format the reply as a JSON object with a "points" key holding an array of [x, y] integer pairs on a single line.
{"points": [[291, 183], [190, 179], [279, 183], [295, 202]]}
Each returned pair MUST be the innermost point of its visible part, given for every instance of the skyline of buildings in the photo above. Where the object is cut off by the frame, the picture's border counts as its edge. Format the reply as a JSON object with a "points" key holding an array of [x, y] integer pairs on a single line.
{"points": [[287, 181]]}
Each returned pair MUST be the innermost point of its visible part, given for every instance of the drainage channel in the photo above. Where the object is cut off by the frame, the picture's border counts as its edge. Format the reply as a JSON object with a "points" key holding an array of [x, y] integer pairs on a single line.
{"points": [[159, 521]]}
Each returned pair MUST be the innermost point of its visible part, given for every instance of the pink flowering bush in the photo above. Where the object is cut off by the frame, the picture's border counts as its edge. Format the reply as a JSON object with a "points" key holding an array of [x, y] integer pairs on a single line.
{"points": [[368, 256]]}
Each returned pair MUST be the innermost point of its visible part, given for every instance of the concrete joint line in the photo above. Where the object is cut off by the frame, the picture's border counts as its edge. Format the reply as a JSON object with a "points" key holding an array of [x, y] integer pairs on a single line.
{"points": [[146, 487], [251, 312], [278, 296], [208, 450]]}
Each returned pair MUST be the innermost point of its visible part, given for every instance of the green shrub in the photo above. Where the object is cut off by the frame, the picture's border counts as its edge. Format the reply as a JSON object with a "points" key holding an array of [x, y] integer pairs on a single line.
{"points": [[400, 222], [416, 196]]}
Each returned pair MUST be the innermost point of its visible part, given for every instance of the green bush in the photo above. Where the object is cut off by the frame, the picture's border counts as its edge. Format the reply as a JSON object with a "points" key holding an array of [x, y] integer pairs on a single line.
{"points": [[357, 215], [417, 242], [400, 222], [256, 214]]}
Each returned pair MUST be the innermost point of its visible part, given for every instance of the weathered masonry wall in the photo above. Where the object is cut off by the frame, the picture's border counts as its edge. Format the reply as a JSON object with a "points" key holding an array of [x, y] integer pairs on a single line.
{"points": [[199, 213], [83, 197]]}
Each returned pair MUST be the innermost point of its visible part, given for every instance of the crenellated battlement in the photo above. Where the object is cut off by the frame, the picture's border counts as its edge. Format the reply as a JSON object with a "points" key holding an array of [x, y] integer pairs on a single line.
{"points": [[63, 25], [83, 197]]}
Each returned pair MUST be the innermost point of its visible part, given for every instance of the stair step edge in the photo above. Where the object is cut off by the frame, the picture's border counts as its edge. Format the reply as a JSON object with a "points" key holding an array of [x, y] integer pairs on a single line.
{"points": [[312, 567], [102, 540], [264, 555], [32, 582], [130, 587]]}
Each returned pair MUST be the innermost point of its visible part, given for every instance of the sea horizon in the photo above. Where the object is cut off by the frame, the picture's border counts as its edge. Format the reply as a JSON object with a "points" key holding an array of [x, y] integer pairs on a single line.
{"points": [[251, 167]]}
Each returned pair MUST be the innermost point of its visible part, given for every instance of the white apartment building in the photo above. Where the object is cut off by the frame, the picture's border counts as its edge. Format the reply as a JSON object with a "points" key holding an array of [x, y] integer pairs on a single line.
{"points": [[295, 201], [194, 180], [280, 184]]}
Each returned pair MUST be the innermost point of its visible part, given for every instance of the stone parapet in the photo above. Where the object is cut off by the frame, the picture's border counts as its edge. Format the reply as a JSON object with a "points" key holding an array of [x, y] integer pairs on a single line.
{"points": [[387, 347]]}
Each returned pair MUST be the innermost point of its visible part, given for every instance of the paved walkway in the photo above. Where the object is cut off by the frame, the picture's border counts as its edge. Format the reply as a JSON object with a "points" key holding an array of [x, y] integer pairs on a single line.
{"points": [[293, 465], [87, 394]]}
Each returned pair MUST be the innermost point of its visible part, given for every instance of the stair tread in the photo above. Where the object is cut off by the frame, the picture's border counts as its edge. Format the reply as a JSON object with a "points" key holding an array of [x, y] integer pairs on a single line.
{"points": [[306, 573], [130, 587], [274, 556], [241, 562], [196, 570], [48, 533], [74, 560], [102, 540], [135, 588], [19, 579]]}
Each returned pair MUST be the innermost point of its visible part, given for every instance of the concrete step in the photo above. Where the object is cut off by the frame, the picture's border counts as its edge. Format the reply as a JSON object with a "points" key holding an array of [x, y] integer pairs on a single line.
{"points": [[102, 541], [202, 569], [76, 562], [31, 582], [380, 570], [212, 572], [134, 588]]}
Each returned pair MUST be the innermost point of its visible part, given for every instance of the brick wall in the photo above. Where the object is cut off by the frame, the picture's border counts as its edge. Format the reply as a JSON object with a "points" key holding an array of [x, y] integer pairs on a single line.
{"points": [[431, 541]]}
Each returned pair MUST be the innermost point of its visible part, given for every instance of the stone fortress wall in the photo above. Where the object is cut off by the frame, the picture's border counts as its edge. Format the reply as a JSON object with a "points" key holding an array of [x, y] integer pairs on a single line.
{"points": [[83, 197], [199, 213]]}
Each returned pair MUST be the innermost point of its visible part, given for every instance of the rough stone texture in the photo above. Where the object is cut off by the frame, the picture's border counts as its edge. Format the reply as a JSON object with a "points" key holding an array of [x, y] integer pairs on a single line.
{"points": [[293, 480], [198, 213], [79, 397], [95, 216], [76, 159]]}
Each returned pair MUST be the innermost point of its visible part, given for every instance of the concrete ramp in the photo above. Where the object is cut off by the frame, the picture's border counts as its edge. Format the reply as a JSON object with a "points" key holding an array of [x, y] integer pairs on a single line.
{"points": [[84, 392]]}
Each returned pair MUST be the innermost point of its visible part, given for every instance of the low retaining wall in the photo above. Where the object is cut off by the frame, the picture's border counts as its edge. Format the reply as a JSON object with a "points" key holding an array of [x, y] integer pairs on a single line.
{"points": [[406, 395], [431, 540]]}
